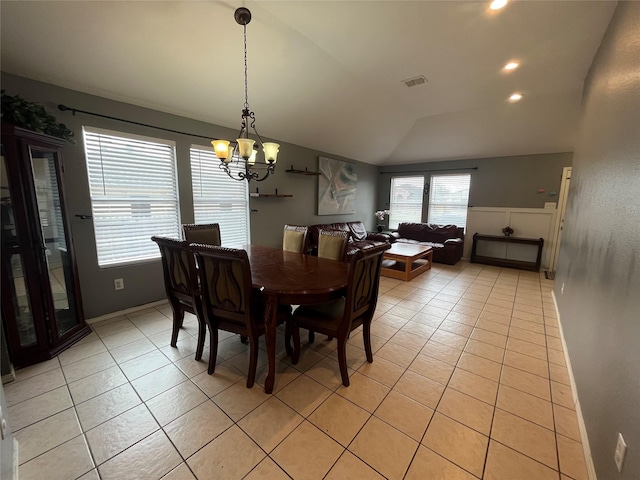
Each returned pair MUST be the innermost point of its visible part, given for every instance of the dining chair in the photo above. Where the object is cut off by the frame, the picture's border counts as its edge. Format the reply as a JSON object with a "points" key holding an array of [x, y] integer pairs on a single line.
{"points": [[229, 301], [294, 238], [332, 244], [339, 317], [207, 233], [181, 285]]}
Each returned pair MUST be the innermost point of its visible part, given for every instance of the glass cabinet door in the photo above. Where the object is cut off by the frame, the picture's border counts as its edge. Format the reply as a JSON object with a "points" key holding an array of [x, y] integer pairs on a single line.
{"points": [[52, 227], [15, 285]]}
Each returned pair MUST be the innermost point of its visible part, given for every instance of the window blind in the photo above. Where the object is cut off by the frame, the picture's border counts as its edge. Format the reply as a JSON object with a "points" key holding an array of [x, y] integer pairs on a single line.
{"points": [[405, 201], [218, 198], [134, 194], [448, 199]]}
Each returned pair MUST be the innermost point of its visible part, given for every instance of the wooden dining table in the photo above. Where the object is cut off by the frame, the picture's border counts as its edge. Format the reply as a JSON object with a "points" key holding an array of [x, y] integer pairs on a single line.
{"points": [[288, 278]]}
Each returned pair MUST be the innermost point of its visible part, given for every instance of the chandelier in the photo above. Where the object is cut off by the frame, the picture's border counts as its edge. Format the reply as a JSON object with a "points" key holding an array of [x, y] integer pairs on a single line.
{"points": [[243, 148]]}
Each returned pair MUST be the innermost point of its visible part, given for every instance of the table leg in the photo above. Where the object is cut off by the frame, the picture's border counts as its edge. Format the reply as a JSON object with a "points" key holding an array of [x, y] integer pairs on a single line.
{"points": [[271, 314], [408, 264]]}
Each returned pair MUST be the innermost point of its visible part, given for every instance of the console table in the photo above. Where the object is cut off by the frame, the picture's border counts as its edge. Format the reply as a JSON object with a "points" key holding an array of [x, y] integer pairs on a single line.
{"points": [[504, 261]]}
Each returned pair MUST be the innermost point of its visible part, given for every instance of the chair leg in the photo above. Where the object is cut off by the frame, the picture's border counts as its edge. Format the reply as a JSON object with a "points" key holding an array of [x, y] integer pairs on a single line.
{"points": [[213, 349], [366, 335], [244, 339], [295, 330], [202, 334], [312, 336], [287, 337], [178, 318], [342, 361], [253, 360]]}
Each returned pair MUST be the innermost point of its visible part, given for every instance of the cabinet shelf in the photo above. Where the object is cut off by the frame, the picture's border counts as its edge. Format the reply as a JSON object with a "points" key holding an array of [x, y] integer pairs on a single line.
{"points": [[302, 172]]}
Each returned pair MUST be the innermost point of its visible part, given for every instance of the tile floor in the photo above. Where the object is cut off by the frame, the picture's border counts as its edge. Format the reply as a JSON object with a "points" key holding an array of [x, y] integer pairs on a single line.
{"points": [[468, 381]]}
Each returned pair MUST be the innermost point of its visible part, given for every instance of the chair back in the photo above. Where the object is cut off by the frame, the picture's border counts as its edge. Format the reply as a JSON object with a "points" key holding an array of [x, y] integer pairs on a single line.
{"points": [[332, 244], [294, 238], [179, 269], [362, 287], [207, 233], [226, 289]]}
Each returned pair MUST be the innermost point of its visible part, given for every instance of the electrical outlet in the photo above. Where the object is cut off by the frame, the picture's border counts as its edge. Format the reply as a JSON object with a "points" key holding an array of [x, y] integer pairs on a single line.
{"points": [[621, 450], [118, 283]]}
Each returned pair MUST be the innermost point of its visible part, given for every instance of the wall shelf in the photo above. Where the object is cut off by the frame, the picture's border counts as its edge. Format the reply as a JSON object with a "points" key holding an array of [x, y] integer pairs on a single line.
{"points": [[262, 195], [302, 172], [257, 194]]}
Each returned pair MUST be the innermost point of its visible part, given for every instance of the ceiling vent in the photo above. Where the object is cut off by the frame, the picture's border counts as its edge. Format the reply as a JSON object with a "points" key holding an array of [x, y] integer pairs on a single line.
{"points": [[412, 82]]}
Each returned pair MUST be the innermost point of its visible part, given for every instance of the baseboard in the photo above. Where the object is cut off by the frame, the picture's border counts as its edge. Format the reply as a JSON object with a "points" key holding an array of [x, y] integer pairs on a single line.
{"points": [[9, 377], [591, 470], [126, 312]]}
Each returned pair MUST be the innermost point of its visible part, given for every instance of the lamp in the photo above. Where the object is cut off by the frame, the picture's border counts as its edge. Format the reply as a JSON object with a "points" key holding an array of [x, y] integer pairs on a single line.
{"points": [[243, 149]]}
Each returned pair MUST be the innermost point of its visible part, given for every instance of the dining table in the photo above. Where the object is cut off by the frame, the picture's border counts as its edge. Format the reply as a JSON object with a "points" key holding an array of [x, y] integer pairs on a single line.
{"points": [[288, 278]]}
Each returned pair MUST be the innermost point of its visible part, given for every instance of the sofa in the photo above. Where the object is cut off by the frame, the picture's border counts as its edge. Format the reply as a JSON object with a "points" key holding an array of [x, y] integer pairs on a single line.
{"points": [[358, 237], [447, 241]]}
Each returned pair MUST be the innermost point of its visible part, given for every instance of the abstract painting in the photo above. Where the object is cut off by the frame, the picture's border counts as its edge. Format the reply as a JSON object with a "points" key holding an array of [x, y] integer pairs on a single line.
{"points": [[337, 186]]}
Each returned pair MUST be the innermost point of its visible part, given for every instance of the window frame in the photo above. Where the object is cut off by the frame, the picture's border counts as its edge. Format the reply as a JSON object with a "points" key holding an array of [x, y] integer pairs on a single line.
{"points": [[230, 234], [440, 204], [153, 205], [393, 205]]}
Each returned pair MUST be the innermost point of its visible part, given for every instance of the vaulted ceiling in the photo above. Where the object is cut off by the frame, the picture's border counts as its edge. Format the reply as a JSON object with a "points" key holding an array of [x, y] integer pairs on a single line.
{"points": [[329, 75]]}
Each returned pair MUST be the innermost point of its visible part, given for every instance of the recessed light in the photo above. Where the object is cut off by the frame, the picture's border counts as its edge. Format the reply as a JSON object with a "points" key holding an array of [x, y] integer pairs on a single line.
{"points": [[511, 66], [516, 97], [498, 4]]}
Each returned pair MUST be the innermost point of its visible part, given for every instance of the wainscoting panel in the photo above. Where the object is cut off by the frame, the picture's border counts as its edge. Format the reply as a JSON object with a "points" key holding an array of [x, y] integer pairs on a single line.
{"points": [[526, 222]]}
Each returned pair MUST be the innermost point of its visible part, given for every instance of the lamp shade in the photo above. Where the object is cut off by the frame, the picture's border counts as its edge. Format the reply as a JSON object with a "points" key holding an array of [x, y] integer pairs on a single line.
{"points": [[270, 151], [221, 147], [245, 147], [252, 158]]}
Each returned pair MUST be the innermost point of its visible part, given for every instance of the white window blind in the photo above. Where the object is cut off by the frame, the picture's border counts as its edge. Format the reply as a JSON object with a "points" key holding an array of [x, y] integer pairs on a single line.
{"points": [[448, 199], [134, 194], [218, 198], [405, 201]]}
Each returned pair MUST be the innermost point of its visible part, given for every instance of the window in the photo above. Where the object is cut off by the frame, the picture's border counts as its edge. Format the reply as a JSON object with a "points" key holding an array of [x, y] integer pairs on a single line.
{"points": [[448, 199], [218, 198], [406, 200], [134, 194]]}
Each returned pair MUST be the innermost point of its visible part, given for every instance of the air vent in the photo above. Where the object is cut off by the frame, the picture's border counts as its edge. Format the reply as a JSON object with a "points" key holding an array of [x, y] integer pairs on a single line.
{"points": [[412, 82]]}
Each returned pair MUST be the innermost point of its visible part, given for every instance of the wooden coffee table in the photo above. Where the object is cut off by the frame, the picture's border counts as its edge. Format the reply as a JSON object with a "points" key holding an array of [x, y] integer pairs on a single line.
{"points": [[406, 261]]}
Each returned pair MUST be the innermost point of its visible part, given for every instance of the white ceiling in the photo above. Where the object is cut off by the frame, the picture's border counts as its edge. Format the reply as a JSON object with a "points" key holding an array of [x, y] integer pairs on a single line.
{"points": [[328, 74]]}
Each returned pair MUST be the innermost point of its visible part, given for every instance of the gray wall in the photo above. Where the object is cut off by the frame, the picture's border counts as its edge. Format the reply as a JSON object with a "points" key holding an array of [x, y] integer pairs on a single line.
{"points": [[497, 182], [600, 253], [143, 282]]}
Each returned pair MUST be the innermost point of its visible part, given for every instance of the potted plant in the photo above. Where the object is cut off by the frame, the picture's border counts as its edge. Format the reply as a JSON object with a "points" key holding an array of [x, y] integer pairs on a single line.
{"points": [[380, 214], [32, 116]]}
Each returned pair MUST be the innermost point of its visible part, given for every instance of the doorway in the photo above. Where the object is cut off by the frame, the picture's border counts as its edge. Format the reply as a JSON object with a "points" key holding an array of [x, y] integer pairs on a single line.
{"points": [[560, 214]]}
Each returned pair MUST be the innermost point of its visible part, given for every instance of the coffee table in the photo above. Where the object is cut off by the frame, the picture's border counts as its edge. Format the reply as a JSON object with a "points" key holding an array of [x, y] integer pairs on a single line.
{"points": [[406, 261]]}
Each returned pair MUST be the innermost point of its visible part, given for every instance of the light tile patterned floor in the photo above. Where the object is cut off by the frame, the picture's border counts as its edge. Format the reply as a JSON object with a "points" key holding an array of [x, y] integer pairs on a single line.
{"points": [[468, 381]]}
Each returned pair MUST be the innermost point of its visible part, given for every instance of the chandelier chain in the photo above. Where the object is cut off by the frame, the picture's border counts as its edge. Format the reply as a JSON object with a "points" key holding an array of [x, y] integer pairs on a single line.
{"points": [[246, 87]]}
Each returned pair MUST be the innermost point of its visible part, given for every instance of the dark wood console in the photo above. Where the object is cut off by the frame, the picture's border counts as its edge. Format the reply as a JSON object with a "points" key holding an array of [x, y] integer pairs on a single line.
{"points": [[502, 259]]}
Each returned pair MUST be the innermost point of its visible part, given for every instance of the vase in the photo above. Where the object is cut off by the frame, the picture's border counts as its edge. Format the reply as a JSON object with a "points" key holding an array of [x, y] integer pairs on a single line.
{"points": [[380, 228]]}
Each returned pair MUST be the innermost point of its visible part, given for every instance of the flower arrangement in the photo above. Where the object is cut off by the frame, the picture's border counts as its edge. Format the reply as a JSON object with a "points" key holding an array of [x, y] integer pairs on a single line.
{"points": [[507, 231], [381, 214]]}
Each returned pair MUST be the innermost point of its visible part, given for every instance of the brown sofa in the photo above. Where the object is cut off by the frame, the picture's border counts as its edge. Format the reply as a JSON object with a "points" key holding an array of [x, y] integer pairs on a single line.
{"points": [[358, 237], [447, 241]]}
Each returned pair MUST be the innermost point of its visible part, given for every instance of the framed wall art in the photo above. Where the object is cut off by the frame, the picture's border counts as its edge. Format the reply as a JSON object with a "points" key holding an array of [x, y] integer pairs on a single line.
{"points": [[337, 187]]}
